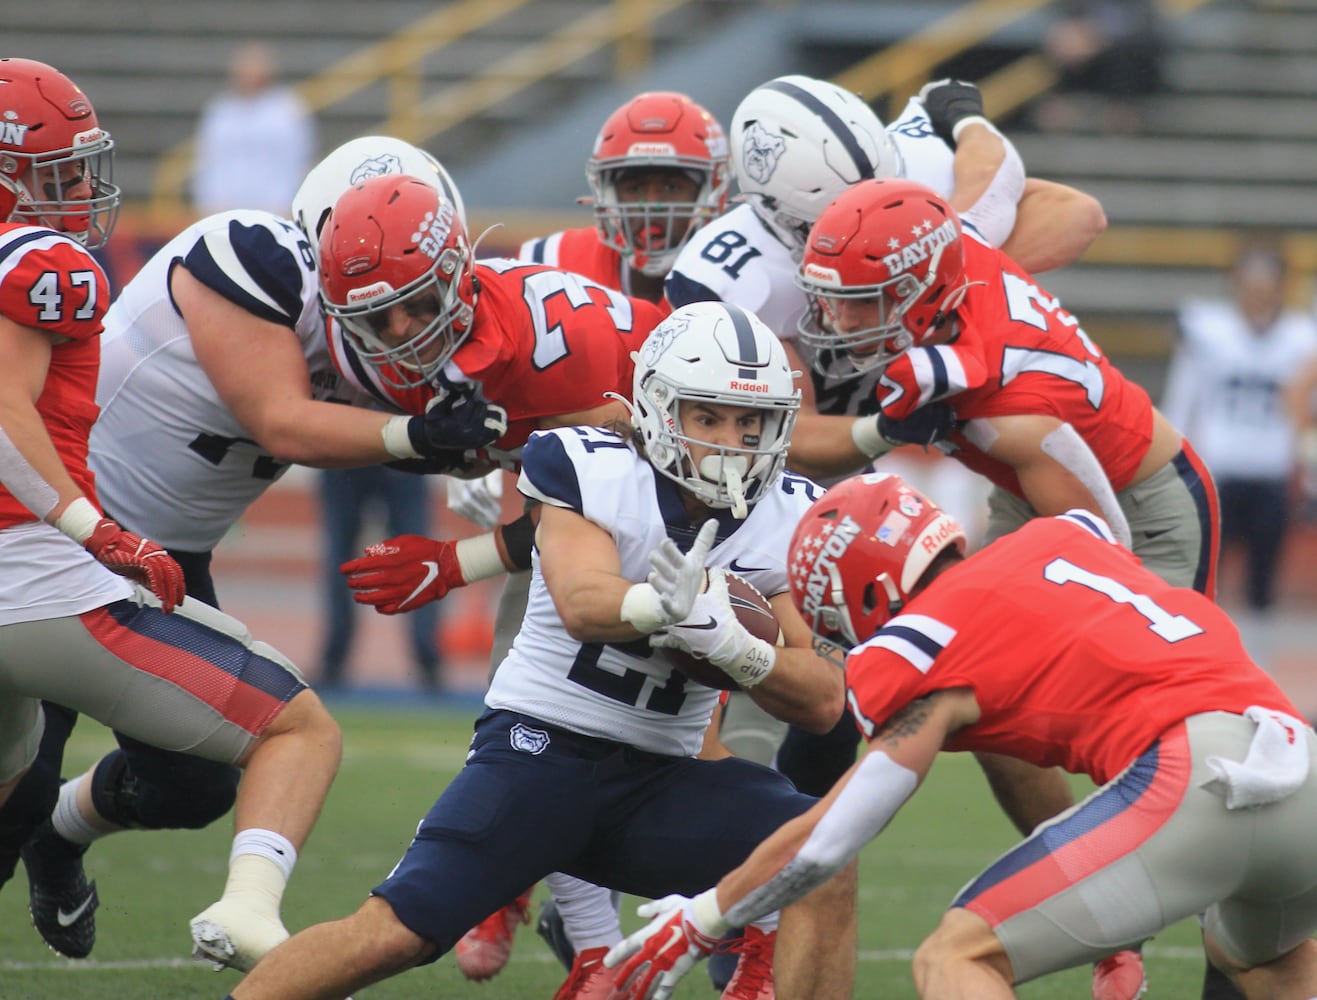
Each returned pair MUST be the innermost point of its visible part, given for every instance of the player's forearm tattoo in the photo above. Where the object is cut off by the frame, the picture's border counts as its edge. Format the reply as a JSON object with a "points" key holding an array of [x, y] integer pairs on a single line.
{"points": [[905, 722]]}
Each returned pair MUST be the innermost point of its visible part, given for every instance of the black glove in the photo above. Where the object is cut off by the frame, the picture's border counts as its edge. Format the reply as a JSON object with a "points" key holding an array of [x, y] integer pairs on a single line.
{"points": [[459, 419], [948, 102], [927, 425]]}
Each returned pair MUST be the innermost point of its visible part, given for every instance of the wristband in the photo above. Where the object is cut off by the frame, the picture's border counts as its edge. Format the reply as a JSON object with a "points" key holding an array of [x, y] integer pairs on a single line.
{"points": [[868, 439], [968, 120], [756, 663], [397, 442], [707, 916], [641, 609], [79, 520], [478, 558]]}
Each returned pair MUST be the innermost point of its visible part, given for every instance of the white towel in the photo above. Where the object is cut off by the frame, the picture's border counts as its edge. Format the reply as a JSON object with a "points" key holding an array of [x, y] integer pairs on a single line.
{"points": [[1276, 765]]}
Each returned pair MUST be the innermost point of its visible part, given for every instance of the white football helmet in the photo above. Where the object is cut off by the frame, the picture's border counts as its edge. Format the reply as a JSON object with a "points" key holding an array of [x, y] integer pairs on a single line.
{"points": [[713, 352], [357, 160], [797, 143]]}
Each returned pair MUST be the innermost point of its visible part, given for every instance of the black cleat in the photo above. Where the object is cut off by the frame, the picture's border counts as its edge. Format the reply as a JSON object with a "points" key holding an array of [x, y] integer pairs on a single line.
{"points": [[62, 902]]}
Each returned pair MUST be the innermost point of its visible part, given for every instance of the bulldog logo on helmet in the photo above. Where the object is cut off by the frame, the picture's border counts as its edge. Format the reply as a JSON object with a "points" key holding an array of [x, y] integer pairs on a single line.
{"points": [[386, 163], [761, 150]]}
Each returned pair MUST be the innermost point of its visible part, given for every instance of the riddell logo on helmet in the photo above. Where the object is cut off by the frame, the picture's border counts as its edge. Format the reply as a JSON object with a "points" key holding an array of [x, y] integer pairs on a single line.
{"points": [[934, 538], [830, 550], [823, 275], [919, 251], [651, 149], [740, 386], [369, 292]]}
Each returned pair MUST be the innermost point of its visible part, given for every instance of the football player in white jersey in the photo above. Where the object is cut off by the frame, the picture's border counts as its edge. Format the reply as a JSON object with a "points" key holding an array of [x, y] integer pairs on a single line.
{"points": [[584, 760], [215, 376], [93, 616]]}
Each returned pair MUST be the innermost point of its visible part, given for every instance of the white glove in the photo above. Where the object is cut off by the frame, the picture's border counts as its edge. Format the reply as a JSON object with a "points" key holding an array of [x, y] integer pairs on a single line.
{"points": [[480, 501], [713, 632], [674, 580]]}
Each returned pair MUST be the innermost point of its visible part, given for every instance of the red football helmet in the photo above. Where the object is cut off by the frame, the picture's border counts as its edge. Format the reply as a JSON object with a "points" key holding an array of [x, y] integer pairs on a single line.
{"points": [[396, 271], [657, 131], [55, 160], [884, 269], [858, 552]]}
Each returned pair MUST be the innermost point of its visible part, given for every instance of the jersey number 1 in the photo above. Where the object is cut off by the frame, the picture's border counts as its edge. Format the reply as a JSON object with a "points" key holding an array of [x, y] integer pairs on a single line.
{"points": [[1161, 622]]}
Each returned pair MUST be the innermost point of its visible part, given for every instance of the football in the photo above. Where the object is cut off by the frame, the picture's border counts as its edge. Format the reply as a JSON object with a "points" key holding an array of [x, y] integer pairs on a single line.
{"points": [[753, 611]]}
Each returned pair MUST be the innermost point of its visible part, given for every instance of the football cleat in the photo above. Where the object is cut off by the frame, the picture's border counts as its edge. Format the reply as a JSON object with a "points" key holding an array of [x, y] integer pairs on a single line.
{"points": [[1119, 977], [62, 902], [230, 935], [484, 949], [753, 979], [589, 979], [549, 926]]}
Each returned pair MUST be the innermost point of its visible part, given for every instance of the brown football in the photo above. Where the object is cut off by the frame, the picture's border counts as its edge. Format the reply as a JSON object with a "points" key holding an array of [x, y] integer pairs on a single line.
{"points": [[753, 611]]}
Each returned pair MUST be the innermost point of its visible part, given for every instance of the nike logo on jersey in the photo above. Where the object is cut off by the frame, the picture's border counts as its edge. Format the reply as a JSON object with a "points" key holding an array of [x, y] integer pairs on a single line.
{"points": [[431, 571], [711, 623], [1156, 534], [736, 567], [67, 918]]}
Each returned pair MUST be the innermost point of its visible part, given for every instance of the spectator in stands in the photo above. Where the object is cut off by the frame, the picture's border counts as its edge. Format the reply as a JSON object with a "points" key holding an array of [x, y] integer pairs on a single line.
{"points": [[1108, 48], [347, 496], [255, 140], [1227, 390]]}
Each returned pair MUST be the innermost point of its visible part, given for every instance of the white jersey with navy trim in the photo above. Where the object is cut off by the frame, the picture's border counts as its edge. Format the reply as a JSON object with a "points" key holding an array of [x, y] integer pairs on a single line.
{"points": [[627, 692], [170, 460]]}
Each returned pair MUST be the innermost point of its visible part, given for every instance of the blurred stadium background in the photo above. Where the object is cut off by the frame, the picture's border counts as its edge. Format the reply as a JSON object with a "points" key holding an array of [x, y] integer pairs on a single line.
{"points": [[509, 94]]}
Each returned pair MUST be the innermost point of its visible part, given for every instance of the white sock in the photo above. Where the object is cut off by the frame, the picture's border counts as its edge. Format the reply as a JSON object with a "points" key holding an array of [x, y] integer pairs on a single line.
{"points": [[274, 847], [588, 914], [768, 923], [67, 818]]}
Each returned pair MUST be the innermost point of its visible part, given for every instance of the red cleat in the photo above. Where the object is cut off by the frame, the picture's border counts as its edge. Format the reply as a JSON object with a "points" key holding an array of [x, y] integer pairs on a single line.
{"points": [[484, 949], [1119, 977], [753, 979], [589, 979]]}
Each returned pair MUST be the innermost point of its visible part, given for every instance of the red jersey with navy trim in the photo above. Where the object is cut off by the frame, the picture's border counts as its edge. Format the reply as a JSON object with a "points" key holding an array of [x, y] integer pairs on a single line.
{"points": [[1019, 352], [52, 283], [583, 252], [1076, 654], [544, 343]]}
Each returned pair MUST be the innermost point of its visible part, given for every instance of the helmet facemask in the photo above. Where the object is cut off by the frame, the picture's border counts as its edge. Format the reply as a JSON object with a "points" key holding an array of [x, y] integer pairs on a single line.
{"points": [[46, 182], [650, 234]]}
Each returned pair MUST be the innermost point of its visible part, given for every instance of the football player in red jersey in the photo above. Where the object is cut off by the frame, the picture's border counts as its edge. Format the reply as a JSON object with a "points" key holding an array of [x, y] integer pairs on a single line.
{"points": [[92, 616], [1205, 766], [658, 172], [968, 348]]}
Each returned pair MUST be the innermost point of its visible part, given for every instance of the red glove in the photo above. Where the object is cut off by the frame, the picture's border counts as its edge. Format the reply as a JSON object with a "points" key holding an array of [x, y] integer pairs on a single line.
{"points": [[401, 574], [139, 559], [652, 961]]}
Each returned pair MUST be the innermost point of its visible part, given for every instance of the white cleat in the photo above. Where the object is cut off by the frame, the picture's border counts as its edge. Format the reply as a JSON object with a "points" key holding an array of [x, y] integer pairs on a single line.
{"points": [[231, 936]]}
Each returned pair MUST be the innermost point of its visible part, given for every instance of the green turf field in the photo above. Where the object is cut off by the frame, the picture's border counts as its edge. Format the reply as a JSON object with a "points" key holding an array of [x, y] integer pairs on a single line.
{"points": [[394, 765]]}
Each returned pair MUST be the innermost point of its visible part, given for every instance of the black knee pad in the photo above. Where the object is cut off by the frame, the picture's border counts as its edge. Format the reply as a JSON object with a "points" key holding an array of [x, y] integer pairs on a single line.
{"points": [[151, 789], [814, 762]]}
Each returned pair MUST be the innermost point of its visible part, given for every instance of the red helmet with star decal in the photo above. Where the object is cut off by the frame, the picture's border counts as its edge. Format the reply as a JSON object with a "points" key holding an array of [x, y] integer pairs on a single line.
{"points": [[858, 552], [892, 245]]}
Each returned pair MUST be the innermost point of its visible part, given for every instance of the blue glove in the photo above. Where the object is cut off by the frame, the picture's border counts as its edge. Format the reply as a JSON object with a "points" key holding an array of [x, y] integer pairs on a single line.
{"points": [[927, 425], [457, 420]]}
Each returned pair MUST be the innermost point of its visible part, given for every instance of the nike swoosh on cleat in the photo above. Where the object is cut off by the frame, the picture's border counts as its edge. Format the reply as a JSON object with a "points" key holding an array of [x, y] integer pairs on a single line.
{"points": [[431, 571], [711, 623], [67, 918]]}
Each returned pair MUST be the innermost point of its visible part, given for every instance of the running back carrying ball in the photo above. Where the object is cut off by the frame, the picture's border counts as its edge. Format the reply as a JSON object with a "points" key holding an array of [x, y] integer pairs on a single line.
{"points": [[753, 611]]}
